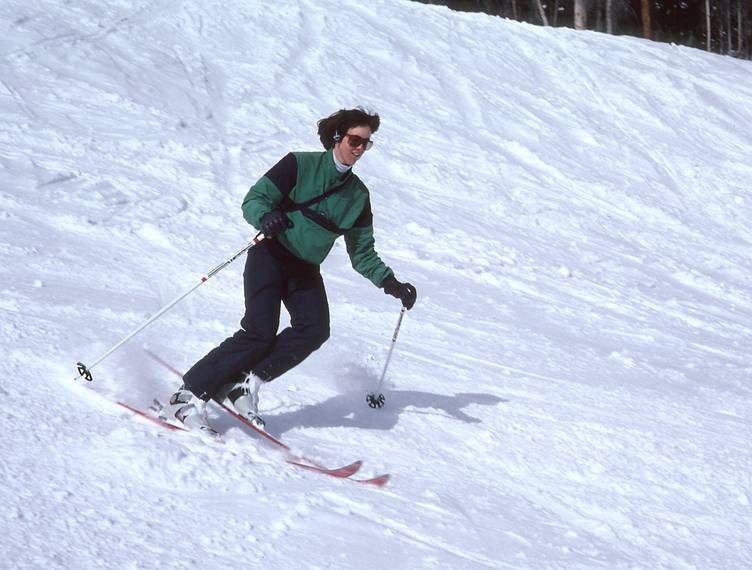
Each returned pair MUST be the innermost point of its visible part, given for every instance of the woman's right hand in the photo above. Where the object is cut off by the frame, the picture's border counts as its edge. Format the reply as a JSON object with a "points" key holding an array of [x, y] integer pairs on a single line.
{"points": [[274, 223]]}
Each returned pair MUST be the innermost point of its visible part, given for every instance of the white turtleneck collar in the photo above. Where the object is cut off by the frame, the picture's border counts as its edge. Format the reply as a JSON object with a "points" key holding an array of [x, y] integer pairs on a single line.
{"points": [[341, 167]]}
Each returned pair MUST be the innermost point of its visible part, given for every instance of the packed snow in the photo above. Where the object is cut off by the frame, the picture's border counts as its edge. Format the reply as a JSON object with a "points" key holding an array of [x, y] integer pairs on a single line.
{"points": [[572, 389]]}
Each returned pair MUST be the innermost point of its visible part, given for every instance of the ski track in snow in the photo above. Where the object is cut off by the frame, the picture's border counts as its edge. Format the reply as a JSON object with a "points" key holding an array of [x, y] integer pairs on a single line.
{"points": [[572, 388]]}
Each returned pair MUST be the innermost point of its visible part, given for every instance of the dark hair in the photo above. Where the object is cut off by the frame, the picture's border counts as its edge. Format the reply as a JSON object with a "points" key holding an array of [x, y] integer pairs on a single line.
{"points": [[342, 121]]}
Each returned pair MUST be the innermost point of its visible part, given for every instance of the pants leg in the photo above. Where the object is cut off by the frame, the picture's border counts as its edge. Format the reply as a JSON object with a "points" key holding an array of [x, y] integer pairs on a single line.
{"points": [[272, 276], [307, 304], [264, 283]]}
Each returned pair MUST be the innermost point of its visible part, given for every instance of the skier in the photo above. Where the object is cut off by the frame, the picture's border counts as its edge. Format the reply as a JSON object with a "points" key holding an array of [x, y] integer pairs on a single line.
{"points": [[301, 205]]}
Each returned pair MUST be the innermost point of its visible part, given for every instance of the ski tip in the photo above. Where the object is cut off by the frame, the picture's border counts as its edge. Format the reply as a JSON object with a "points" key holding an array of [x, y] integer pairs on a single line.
{"points": [[379, 481], [351, 469], [339, 472]]}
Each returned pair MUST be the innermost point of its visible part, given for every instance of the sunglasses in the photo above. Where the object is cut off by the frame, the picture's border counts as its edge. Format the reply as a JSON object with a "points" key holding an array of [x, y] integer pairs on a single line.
{"points": [[355, 141]]}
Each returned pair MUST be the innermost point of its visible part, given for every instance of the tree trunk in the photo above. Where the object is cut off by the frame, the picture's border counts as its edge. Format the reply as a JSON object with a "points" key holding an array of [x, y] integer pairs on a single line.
{"points": [[609, 16], [708, 31], [739, 27], [721, 29], [541, 12], [647, 26], [729, 31], [580, 15]]}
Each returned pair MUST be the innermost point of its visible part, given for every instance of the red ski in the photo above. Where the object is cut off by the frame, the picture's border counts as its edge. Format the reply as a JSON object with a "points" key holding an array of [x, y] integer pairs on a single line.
{"points": [[156, 419], [152, 418], [340, 472], [292, 458], [305, 463]]}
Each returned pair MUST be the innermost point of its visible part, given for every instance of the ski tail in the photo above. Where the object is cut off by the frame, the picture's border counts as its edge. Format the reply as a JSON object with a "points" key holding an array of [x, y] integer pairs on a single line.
{"points": [[154, 419]]}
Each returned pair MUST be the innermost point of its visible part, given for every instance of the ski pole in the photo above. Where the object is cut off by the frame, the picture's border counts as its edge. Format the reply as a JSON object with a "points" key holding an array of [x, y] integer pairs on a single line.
{"points": [[85, 371], [374, 400]]}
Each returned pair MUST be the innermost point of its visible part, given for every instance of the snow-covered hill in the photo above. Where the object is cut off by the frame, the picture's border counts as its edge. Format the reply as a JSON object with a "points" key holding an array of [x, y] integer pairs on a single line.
{"points": [[572, 389]]}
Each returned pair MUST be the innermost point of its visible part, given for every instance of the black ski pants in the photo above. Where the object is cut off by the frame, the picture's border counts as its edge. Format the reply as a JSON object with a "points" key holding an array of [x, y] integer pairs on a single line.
{"points": [[272, 276]]}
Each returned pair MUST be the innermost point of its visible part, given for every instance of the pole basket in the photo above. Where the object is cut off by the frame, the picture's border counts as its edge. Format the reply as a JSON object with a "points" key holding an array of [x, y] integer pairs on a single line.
{"points": [[83, 371], [375, 401]]}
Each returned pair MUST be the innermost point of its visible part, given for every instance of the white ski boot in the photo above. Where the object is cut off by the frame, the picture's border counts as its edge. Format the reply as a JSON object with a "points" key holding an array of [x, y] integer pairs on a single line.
{"points": [[185, 409], [242, 398]]}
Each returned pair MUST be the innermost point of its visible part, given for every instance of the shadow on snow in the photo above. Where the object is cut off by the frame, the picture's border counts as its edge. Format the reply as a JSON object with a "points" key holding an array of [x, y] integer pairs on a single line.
{"points": [[351, 410]]}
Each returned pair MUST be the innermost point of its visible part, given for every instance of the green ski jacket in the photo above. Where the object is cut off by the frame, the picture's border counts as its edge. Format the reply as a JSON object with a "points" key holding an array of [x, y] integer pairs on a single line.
{"points": [[301, 178]]}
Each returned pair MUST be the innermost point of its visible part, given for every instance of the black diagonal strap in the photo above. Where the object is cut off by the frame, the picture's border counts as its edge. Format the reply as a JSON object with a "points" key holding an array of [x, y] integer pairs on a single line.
{"points": [[288, 205], [323, 221]]}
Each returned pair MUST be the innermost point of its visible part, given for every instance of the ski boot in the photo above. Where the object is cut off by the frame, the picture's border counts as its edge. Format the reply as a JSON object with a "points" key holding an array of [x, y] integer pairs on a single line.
{"points": [[188, 411], [242, 398]]}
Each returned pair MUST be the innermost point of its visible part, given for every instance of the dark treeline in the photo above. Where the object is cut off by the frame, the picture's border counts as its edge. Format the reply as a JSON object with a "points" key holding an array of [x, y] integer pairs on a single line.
{"points": [[721, 26]]}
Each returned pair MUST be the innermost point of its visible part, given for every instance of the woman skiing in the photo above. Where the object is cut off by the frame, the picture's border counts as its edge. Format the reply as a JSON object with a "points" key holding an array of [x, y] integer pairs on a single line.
{"points": [[301, 205]]}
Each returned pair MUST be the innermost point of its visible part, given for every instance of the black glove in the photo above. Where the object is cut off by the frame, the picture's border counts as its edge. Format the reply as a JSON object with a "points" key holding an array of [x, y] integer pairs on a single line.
{"points": [[403, 291], [274, 223]]}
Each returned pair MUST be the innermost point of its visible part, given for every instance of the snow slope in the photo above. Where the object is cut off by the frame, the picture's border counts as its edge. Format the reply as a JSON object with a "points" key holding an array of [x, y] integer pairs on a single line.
{"points": [[571, 390]]}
